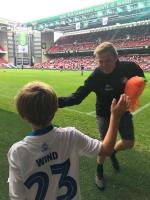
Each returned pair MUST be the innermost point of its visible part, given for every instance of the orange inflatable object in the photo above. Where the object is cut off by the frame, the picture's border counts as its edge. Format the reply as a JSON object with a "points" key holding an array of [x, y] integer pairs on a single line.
{"points": [[134, 88]]}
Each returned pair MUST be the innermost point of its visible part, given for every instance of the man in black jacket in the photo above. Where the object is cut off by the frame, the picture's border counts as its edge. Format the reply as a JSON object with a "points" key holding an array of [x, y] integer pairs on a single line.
{"points": [[108, 82]]}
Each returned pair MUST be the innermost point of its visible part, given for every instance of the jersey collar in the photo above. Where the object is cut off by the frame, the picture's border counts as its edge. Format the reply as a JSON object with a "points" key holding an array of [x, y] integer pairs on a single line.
{"points": [[41, 131]]}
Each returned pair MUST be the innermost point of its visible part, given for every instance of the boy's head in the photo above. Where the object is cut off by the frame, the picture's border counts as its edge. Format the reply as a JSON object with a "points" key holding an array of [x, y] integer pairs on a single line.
{"points": [[37, 103]]}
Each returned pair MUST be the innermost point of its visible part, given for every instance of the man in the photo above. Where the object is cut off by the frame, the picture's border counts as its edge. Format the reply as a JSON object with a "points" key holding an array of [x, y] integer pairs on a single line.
{"points": [[82, 70], [108, 82]]}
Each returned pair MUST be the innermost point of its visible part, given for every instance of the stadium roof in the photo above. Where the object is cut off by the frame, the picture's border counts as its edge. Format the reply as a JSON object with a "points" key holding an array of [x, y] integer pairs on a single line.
{"points": [[106, 14]]}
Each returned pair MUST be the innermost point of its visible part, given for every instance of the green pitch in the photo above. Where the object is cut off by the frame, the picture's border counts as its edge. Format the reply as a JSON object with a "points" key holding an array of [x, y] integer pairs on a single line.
{"points": [[133, 181]]}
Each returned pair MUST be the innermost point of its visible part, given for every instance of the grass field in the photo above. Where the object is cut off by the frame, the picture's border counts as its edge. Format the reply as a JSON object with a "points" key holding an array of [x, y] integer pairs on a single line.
{"points": [[133, 181]]}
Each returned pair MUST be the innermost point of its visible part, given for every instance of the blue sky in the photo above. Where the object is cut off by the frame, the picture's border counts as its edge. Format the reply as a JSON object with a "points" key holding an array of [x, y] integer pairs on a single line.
{"points": [[27, 10]]}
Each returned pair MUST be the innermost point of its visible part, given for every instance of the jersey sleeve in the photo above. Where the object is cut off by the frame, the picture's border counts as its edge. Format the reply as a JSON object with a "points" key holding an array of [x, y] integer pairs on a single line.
{"points": [[16, 186], [86, 145]]}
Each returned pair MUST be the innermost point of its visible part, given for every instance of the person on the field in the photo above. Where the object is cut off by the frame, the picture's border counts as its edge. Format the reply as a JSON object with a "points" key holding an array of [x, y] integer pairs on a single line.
{"points": [[107, 82], [82, 70], [61, 68], [45, 164]]}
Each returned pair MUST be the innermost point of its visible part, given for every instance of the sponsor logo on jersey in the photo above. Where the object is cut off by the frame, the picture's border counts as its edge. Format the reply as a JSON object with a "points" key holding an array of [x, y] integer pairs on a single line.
{"points": [[108, 87], [44, 147]]}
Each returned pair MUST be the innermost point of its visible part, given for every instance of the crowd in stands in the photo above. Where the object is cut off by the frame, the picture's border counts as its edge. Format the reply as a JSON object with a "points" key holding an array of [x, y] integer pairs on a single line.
{"points": [[121, 38], [89, 63], [142, 60], [69, 63]]}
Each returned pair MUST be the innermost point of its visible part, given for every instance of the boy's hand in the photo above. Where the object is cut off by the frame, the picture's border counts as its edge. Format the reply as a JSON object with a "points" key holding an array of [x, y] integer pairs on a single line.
{"points": [[120, 107]]}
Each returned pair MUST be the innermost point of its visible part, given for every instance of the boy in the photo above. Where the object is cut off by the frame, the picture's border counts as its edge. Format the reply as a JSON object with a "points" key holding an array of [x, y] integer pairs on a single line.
{"points": [[45, 164]]}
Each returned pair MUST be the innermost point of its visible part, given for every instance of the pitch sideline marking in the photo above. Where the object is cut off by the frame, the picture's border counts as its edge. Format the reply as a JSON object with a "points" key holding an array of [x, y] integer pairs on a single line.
{"points": [[75, 111], [93, 112], [141, 108]]}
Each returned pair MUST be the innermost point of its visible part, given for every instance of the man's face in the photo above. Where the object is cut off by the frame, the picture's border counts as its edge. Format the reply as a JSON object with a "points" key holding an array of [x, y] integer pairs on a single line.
{"points": [[107, 62]]}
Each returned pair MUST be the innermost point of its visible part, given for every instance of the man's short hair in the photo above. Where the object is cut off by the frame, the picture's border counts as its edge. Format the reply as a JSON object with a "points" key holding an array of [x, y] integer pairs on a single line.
{"points": [[37, 102], [104, 48]]}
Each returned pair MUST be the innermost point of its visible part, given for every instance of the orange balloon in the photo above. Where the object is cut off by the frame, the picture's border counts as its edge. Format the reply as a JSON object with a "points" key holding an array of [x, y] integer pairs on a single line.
{"points": [[134, 88]]}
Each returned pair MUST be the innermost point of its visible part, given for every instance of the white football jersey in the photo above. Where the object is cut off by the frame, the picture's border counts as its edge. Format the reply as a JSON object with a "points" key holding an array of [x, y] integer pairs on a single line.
{"points": [[46, 167]]}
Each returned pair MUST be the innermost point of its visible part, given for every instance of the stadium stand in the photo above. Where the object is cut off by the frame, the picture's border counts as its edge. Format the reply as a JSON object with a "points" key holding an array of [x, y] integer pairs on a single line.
{"points": [[125, 24], [74, 63], [135, 38], [3, 61], [122, 38]]}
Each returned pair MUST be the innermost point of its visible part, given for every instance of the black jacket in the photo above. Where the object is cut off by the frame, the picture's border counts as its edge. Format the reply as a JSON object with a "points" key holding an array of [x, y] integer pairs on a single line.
{"points": [[105, 86]]}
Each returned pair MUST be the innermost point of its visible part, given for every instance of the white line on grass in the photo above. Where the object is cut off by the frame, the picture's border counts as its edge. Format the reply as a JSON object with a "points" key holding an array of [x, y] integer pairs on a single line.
{"points": [[92, 113], [84, 113], [141, 108]]}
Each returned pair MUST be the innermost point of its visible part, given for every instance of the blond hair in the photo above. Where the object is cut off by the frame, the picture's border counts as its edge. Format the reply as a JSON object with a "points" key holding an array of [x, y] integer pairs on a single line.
{"points": [[105, 47], [37, 102]]}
